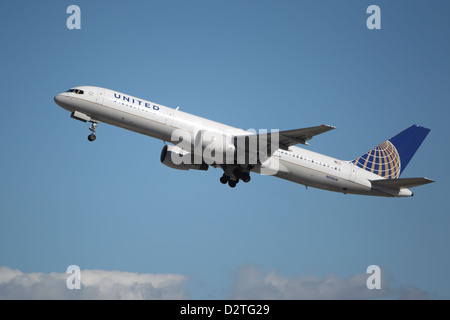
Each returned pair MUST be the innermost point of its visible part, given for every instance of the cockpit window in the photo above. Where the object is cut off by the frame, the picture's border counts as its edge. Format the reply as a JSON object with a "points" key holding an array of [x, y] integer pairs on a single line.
{"points": [[77, 91]]}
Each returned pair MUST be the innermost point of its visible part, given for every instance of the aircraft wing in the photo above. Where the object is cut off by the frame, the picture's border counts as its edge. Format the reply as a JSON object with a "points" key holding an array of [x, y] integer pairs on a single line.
{"points": [[401, 183], [296, 136], [289, 138]]}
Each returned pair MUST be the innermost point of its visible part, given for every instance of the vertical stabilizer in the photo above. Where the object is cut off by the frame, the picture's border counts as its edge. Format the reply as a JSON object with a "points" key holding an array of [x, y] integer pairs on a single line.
{"points": [[390, 158]]}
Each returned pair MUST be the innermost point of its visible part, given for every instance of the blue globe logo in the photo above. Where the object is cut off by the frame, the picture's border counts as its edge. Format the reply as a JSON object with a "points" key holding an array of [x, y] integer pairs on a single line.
{"points": [[383, 160]]}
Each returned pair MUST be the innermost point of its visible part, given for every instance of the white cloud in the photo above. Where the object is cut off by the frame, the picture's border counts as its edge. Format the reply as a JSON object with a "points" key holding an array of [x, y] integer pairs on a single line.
{"points": [[413, 293], [95, 284], [252, 283]]}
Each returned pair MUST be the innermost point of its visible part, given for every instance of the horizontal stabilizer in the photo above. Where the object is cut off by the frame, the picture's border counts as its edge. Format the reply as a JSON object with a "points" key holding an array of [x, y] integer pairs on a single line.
{"points": [[401, 183]]}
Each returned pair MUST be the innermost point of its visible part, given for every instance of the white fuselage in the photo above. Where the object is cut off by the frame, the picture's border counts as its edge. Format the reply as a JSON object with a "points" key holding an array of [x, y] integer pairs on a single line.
{"points": [[295, 164]]}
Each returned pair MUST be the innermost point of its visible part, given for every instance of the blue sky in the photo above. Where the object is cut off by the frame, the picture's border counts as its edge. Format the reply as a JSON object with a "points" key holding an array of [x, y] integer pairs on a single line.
{"points": [[111, 205]]}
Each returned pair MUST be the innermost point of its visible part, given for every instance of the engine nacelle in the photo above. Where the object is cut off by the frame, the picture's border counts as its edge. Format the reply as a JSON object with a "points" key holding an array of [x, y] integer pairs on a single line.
{"points": [[176, 158]]}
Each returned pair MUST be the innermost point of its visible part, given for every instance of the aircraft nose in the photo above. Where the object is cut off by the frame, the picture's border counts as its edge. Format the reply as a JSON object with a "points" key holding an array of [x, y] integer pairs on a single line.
{"points": [[62, 100], [58, 99]]}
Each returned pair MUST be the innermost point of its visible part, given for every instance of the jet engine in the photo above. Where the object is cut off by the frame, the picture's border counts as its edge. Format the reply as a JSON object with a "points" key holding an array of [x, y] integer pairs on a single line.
{"points": [[176, 158]]}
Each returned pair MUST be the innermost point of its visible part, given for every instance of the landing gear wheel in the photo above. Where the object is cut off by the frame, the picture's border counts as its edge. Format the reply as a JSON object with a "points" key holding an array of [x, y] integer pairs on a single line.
{"points": [[93, 128], [232, 183], [224, 179], [245, 177], [237, 173]]}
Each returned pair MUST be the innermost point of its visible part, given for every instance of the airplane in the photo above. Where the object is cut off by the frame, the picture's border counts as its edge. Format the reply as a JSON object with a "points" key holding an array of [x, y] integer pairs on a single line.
{"points": [[202, 143]]}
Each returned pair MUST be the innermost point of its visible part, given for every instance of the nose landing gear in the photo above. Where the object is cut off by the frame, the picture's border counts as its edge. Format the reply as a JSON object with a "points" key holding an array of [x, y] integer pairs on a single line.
{"points": [[93, 128]]}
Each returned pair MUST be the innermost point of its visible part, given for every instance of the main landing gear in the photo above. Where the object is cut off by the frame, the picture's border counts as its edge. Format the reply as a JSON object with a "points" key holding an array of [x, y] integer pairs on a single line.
{"points": [[235, 177], [226, 179], [93, 128]]}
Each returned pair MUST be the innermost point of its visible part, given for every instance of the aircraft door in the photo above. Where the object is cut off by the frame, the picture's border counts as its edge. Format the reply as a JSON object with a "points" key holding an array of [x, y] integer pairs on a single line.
{"points": [[352, 173], [100, 96]]}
